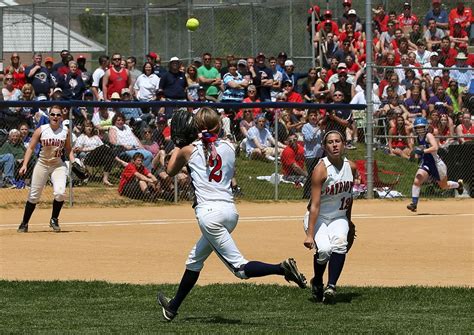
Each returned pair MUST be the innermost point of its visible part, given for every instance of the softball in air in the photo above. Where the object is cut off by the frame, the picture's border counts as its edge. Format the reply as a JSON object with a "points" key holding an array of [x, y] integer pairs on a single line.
{"points": [[192, 24]]}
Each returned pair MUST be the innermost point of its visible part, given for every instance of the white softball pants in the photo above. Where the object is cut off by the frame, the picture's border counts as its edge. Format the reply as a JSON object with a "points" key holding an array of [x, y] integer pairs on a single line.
{"points": [[217, 220], [330, 236], [41, 174]]}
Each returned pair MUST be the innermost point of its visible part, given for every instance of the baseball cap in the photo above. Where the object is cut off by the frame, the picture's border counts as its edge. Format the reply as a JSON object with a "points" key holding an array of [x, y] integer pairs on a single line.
{"points": [[125, 90], [88, 93], [342, 66], [315, 8], [201, 88], [328, 22], [289, 63], [174, 59], [81, 57], [282, 55], [152, 55], [434, 54], [406, 4], [342, 70], [352, 12], [242, 62], [327, 12], [260, 55], [461, 56], [115, 95], [347, 2], [48, 60], [197, 60], [287, 81], [57, 89]]}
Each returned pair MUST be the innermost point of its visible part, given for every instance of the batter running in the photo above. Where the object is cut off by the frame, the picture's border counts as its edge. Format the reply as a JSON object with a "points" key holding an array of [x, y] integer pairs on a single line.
{"points": [[329, 212], [211, 164], [54, 138], [431, 164]]}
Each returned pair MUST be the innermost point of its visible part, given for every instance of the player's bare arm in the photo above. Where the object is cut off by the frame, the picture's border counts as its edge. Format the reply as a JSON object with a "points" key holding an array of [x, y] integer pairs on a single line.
{"points": [[178, 159], [29, 151], [433, 144], [317, 179], [105, 82], [68, 148]]}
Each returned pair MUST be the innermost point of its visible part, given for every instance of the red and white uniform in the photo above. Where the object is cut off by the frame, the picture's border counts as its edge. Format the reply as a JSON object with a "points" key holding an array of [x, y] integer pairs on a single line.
{"points": [[214, 206], [332, 223], [406, 21], [50, 164]]}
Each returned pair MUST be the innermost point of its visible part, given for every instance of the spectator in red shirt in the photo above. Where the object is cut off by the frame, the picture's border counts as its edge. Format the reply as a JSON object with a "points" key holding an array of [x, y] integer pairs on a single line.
{"points": [[380, 17], [447, 55], [407, 18], [136, 182], [328, 17], [460, 14], [292, 162], [458, 36], [470, 56]]}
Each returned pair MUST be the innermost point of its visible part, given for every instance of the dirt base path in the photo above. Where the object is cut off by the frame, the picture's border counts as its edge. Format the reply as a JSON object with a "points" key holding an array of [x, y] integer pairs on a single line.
{"points": [[433, 247]]}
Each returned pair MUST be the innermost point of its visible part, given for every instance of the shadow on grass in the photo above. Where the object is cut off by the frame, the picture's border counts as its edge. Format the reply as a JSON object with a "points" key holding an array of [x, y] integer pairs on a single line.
{"points": [[216, 319], [344, 298]]}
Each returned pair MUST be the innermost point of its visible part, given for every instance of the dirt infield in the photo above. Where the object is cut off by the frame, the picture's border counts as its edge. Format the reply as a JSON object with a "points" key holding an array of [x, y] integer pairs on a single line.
{"points": [[433, 247]]}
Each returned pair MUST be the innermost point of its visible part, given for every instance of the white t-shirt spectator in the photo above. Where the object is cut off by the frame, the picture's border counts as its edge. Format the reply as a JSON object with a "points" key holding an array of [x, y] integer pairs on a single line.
{"points": [[146, 86], [262, 135]]}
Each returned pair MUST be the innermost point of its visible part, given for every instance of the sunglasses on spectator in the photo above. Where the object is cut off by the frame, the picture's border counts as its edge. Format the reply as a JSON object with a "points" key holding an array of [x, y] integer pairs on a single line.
{"points": [[8, 78], [55, 114], [147, 132], [287, 85], [252, 91], [338, 95], [207, 58], [114, 59]]}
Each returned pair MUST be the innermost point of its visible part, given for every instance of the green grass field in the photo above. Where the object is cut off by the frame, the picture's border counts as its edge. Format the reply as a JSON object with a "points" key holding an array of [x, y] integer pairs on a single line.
{"points": [[99, 307]]}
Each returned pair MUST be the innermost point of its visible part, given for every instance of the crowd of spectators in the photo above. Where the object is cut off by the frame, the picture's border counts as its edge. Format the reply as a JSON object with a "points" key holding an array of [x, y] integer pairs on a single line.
{"points": [[422, 68]]}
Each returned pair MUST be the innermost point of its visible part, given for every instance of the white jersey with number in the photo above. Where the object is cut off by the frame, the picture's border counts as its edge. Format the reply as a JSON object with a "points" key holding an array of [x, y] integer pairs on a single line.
{"points": [[336, 193], [212, 181], [52, 144]]}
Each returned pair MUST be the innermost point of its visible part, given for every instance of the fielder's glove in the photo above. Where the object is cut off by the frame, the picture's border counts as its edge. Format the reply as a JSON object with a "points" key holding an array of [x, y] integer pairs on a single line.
{"points": [[79, 171], [351, 235], [183, 128], [419, 150]]}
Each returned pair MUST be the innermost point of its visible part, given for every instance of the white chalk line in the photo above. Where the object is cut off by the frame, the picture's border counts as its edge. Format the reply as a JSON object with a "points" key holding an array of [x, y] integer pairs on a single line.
{"points": [[241, 219]]}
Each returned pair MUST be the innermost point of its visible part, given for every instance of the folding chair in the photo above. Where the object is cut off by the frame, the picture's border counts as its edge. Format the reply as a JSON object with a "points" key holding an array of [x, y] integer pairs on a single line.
{"points": [[360, 164]]}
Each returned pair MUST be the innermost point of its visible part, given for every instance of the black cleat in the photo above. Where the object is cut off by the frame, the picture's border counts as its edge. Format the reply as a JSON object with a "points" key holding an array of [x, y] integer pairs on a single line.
{"points": [[317, 291], [292, 273], [460, 189], [23, 228], [54, 223], [412, 207], [164, 302], [329, 296]]}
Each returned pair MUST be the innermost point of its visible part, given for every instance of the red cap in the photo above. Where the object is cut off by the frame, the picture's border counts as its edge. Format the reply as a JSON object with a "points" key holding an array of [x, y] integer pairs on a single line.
{"points": [[436, 1], [347, 2], [315, 8], [327, 12], [328, 22], [81, 57], [48, 60], [152, 55]]}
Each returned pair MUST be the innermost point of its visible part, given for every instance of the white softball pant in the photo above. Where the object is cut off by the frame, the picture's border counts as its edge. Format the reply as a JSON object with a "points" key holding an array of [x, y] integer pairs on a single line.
{"points": [[41, 174], [330, 236], [217, 220]]}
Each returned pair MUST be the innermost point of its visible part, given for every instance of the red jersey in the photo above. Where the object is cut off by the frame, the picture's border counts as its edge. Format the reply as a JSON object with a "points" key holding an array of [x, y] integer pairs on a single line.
{"points": [[334, 27], [382, 22], [447, 57], [294, 97], [19, 76], [255, 111], [290, 156], [117, 81], [464, 18], [406, 21], [466, 131], [129, 173]]}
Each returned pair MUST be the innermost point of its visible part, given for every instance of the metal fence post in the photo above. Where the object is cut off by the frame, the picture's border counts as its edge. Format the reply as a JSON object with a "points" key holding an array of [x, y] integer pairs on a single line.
{"points": [[275, 127], [370, 104], [69, 25], [291, 28], [147, 28], [33, 27], [175, 180]]}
